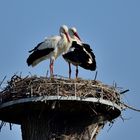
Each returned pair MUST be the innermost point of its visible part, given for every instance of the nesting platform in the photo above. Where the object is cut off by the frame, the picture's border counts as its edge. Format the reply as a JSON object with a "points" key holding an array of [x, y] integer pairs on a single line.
{"points": [[58, 106]]}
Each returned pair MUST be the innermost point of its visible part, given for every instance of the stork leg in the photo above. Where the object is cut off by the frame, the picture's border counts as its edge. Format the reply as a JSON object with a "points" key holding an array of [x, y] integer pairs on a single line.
{"points": [[76, 72], [69, 70], [51, 68]]}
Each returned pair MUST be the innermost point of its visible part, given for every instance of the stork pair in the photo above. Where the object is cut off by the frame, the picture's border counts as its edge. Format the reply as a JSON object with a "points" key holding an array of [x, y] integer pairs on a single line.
{"points": [[69, 44]]}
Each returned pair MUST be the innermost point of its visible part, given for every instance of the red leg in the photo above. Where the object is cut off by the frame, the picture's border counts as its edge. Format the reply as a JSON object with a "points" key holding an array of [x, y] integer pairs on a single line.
{"points": [[51, 67]]}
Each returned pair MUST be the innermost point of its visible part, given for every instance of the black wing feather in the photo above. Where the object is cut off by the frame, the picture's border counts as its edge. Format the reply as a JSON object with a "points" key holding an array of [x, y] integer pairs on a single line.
{"points": [[37, 54], [80, 57], [36, 48]]}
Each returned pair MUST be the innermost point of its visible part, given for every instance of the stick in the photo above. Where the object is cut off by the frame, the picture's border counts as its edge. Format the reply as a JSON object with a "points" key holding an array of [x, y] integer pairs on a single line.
{"points": [[2, 80], [124, 91], [94, 132], [95, 75], [130, 107], [1, 125], [10, 126]]}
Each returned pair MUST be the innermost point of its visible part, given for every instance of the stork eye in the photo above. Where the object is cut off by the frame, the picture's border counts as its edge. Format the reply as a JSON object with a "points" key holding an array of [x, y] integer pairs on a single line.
{"points": [[62, 30], [73, 31]]}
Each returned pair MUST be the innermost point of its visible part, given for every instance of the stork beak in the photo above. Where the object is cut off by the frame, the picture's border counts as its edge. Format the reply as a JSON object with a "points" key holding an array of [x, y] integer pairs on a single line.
{"points": [[77, 36], [67, 37]]}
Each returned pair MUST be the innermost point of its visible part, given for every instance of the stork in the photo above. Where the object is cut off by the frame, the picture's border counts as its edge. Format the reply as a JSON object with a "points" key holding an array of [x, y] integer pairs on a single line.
{"points": [[50, 48], [79, 54]]}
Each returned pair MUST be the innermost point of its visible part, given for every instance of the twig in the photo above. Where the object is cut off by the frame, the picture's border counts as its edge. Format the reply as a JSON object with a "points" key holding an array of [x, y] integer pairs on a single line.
{"points": [[30, 73], [59, 76], [123, 119], [94, 132], [114, 84], [2, 80], [95, 75], [122, 92], [93, 110], [130, 107], [10, 125], [1, 125], [111, 125]]}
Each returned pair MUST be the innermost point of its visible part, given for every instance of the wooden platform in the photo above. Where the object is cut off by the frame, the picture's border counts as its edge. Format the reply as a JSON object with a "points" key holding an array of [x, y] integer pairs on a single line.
{"points": [[58, 108], [15, 111]]}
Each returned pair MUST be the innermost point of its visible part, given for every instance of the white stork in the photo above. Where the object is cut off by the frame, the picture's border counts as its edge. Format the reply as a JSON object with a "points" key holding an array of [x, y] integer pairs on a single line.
{"points": [[50, 48], [79, 54]]}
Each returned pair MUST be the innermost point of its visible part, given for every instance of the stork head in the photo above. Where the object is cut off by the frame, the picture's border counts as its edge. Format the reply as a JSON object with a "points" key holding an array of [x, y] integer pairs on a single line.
{"points": [[64, 30], [73, 33]]}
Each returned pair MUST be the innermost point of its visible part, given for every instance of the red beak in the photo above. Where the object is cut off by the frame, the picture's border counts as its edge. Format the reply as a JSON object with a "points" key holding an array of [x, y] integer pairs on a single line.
{"points": [[77, 36], [67, 37]]}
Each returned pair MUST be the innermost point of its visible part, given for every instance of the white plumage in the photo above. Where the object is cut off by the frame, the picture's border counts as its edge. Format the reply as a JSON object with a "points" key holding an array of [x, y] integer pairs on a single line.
{"points": [[79, 53], [50, 48]]}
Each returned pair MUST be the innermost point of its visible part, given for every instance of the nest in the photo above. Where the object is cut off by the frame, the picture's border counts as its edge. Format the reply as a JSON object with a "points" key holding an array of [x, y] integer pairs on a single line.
{"points": [[19, 87]]}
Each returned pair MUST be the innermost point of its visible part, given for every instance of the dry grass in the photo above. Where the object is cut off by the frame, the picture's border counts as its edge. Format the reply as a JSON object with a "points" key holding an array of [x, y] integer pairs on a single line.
{"points": [[34, 86]]}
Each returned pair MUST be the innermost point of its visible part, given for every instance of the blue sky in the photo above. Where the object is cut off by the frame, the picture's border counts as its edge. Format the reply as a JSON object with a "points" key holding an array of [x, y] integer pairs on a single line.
{"points": [[111, 27]]}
